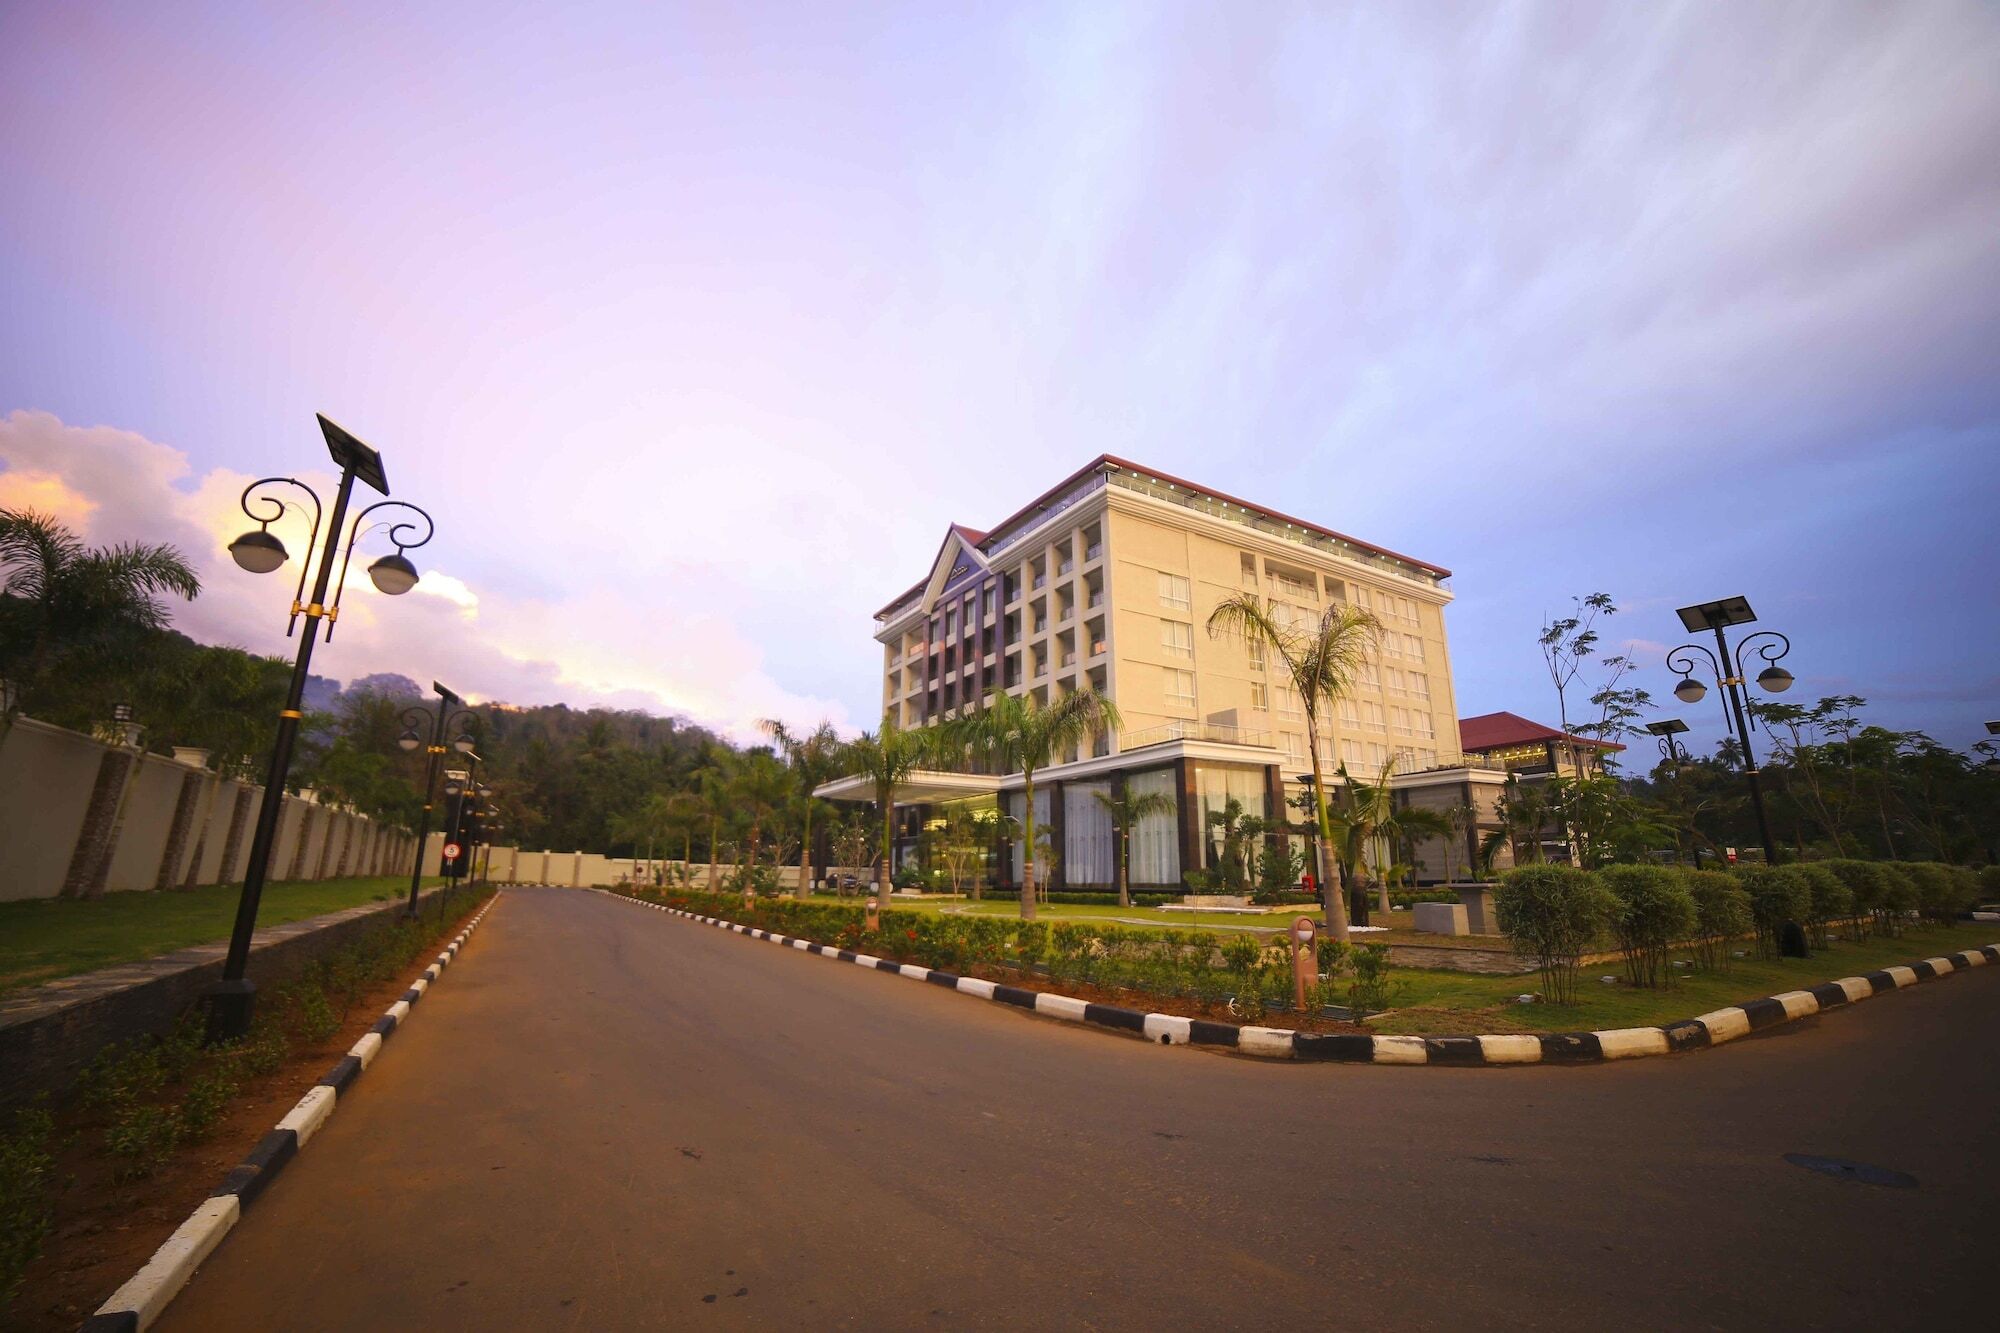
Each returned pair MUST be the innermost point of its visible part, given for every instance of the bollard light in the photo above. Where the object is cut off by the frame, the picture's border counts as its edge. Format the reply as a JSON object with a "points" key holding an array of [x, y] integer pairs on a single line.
{"points": [[1305, 962]]}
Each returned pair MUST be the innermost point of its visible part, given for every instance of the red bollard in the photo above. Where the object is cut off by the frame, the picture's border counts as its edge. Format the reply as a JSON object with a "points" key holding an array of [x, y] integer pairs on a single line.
{"points": [[1305, 962]]}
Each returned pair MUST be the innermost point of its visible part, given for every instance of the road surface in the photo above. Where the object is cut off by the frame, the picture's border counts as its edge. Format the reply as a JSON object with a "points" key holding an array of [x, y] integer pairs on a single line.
{"points": [[609, 1118]]}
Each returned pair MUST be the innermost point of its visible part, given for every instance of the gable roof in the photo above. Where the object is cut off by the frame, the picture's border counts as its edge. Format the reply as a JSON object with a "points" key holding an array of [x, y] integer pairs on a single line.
{"points": [[1493, 731]]}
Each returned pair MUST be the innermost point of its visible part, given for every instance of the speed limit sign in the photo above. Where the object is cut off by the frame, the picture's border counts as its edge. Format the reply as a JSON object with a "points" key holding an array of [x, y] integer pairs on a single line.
{"points": [[451, 851]]}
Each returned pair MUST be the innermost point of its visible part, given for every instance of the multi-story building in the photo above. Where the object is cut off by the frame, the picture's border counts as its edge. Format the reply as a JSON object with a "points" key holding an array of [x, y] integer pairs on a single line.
{"points": [[1107, 580]]}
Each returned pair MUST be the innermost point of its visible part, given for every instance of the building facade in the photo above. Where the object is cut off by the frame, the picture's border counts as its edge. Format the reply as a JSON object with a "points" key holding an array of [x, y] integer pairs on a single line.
{"points": [[1107, 580]]}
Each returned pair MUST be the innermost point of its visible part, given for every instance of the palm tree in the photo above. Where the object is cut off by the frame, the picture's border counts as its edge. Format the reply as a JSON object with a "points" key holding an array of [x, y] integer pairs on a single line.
{"points": [[760, 790], [712, 790], [61, 598], [1323, 661], [886, 757], [682, 815], [813, 758], [1127, 809], [1524, 811], [1015, 734]]}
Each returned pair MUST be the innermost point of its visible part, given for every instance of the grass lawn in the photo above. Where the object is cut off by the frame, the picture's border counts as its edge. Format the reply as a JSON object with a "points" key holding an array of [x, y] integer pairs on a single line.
{"points": [[46, 938], [1438, 1003]]}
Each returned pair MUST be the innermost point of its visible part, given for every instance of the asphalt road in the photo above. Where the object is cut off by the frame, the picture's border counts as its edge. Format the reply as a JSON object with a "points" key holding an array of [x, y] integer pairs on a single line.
{"points": [[607, 1118]]}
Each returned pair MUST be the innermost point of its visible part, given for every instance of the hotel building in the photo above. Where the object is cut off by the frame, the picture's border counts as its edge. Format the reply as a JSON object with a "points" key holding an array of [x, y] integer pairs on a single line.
{"points": [[1107, 580]]}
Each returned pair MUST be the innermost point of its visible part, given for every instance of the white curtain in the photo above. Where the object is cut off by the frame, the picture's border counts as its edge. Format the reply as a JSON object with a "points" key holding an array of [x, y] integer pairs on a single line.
{"points": [[1087, 836], [1216, 787], [1156, 843]]}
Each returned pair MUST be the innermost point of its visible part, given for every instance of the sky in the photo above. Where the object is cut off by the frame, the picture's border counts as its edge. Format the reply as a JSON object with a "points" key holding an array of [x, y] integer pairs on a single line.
{"points": [[695, 325]]}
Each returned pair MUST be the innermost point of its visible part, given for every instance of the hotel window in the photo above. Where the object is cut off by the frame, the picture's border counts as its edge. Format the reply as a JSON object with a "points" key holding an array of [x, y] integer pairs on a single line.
{"points": [[1256, 654], [1427, 758], [1174, 592], [1295, 746], [1378, 755], [1288, 702], [1372, 717], [1180, 687], [1350, 713], [1352, 755], [1250, 571], [1413, 647], [1399, 721], [1420, 685], [1260, 695], [1176, 638], [1421, 722], [1392, 680], [1369, 676], [989, 601]]}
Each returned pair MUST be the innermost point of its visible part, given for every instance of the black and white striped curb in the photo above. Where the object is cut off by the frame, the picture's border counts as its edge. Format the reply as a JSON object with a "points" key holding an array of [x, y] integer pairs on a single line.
{"points": [[147, 1293], [1566, 1048]]}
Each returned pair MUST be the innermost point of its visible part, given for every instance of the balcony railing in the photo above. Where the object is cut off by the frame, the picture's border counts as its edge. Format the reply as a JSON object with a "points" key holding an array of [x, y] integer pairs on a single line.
{"points": [[1215, 732], [1094, 552], [1066, 567]]}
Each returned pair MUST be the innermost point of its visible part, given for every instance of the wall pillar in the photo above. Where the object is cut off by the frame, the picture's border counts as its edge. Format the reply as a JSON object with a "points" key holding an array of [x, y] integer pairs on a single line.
{"points": [[304, 839], [97, 841], [1058, 838], [232, 843], [177, 832], [1188, 816]]}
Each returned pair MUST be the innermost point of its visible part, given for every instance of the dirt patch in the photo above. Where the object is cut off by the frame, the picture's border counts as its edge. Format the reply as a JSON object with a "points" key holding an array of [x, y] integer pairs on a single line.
{"points": [[106, 1229]]}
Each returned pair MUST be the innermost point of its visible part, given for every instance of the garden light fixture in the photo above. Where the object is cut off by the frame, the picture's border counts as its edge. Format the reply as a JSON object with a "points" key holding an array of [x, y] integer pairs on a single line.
{"points": [[413, 717], [229, 1001], [1730, 673]]}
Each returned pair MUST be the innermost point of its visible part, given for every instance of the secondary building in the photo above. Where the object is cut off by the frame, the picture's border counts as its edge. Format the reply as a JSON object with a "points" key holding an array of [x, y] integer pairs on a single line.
{"points": [[1107, 580]]}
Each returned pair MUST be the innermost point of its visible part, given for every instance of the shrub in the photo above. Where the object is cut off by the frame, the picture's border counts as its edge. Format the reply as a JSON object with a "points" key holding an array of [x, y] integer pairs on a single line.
{"points": [[27, 1194], [1722, 913], [1942, 893], [1866, 886], [1777, 894], [1654, 912], [1899, 897], [1830, 899], [1989, 884], [1554, 913], [1370, 992]]}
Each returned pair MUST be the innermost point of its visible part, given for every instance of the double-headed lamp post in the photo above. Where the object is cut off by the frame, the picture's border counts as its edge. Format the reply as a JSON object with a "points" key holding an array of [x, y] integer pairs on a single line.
{"points": [[412, 737], [1729, 673], [1672, 752], [229, 1002]]}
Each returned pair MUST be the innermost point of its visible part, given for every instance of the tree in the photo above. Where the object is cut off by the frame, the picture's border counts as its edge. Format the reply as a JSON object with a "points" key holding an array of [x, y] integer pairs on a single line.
{"points": [[1567, 644], [1126, 810], [1015, 734], [813, 758], [853, 847], [64, 601], [968, 834], [1323, 662], [1523, 811], [886, 757], [759, 790]]}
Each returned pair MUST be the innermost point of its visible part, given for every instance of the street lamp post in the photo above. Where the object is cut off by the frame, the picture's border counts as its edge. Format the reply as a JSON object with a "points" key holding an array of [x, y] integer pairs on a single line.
{"points": [[229, 1002], [413, 717], [1671, 750], [1728, 670]]}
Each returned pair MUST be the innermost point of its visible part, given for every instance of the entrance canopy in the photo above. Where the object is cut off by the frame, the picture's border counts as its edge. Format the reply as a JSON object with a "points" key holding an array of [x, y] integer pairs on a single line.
{"points": [[922, 787]]}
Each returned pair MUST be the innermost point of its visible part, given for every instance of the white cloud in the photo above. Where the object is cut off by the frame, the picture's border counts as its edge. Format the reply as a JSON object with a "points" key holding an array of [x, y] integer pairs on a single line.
{"points": [[592, 648]]}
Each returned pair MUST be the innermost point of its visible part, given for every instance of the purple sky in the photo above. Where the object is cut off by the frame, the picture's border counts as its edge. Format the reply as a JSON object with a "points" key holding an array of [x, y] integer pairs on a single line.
{"points": [[694, 326]]}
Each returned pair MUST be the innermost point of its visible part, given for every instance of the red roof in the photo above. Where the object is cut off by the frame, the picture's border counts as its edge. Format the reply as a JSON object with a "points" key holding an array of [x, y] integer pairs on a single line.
{"points": [[1494, 731], [1112, 460]]}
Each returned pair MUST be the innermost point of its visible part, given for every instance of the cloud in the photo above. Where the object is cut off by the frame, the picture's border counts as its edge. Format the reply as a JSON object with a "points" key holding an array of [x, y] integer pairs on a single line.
{"points": [[590, 649]]}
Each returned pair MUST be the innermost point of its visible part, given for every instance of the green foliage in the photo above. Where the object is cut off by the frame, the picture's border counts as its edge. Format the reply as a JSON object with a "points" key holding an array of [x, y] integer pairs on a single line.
{"points": [[27, 1193], [1654, 911], [1831, 900], [1554, 913], [1989, 884], [1899, 897], [1943, 891], [1777, 894], [1371, 990], [1867, 889], [1722, 913]]}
